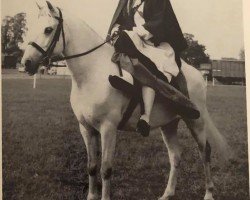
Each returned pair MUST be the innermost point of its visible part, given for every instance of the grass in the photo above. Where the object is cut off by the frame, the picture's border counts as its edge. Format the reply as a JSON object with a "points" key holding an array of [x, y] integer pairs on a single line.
{"points": [[44, 156]]}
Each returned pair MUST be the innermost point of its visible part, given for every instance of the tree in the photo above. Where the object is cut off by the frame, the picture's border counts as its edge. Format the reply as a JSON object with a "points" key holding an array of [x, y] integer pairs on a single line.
{"points": [[19, 27], [6, 32], [13, 30], [195, 53], [242, 54]]}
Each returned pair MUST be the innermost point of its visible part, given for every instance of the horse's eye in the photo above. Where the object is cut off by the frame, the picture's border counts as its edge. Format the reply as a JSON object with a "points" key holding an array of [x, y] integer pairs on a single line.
{"points": [[48, 30]]}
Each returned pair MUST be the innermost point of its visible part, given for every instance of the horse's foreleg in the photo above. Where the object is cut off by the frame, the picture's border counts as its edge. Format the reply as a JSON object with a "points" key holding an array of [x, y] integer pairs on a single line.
{"points": [[169, 134], [197, 128], [90, 137], [108, 140]]}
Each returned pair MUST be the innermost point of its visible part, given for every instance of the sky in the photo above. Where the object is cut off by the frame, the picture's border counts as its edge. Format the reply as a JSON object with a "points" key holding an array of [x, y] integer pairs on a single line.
{"points": [[217, 24]]}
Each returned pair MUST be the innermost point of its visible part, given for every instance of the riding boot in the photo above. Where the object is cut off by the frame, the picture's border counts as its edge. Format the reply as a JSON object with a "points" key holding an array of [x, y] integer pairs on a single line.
{"points": [[148, 96], [143, 128]]}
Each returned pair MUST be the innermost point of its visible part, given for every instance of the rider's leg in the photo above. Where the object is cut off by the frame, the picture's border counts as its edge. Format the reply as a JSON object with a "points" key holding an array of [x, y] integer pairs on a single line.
{"points": [[148, 96]]}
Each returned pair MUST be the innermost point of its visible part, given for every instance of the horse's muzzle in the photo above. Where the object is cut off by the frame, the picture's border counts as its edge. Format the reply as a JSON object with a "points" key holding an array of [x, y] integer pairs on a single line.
{"points": [[28, 67]]}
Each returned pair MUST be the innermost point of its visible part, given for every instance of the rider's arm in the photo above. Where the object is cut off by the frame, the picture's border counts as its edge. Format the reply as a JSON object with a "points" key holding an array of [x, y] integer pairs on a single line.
{"points": [[139, 21], [156, 21]]}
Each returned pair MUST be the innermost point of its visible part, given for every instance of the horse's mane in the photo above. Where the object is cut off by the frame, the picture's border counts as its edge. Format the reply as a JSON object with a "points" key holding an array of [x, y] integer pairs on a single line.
{"points": [[81, 21]]}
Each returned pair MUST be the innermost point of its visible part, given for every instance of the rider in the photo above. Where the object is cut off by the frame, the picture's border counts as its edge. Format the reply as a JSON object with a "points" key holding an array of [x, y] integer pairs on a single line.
{"points": [[149, 32]]}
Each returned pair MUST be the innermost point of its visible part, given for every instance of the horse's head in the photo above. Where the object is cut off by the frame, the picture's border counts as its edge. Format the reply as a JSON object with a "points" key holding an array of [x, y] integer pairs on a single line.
{"points": [[49, 40]]}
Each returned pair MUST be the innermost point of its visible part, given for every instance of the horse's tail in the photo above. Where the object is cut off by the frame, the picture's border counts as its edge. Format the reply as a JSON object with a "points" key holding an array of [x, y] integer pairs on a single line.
{"points": [[216, 139]]}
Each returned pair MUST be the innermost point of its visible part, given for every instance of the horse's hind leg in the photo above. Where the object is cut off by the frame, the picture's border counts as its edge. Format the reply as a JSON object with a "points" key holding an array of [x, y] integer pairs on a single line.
{"points": [[91, 138], [197, 93], [197, 128], [169, 134]]}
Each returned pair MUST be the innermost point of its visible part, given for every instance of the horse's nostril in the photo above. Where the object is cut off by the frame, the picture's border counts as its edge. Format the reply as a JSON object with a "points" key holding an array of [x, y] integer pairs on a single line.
{"points": [[27, 63]]}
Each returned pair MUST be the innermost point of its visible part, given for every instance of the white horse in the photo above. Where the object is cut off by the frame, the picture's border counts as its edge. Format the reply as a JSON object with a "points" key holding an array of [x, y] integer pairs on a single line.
{"points": [[99, 107]]}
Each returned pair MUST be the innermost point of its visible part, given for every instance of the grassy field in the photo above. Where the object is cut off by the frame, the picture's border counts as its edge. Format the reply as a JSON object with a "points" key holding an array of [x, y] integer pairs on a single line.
{"points": [[44, 156]]}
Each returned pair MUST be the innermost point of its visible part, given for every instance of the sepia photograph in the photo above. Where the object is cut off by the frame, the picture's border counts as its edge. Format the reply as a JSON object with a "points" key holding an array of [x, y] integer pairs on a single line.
{"points": [[124, 100]]}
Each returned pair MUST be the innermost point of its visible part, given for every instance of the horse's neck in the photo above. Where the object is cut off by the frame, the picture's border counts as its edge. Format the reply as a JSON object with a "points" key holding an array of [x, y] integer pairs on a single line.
{"points": [[81, 38]]}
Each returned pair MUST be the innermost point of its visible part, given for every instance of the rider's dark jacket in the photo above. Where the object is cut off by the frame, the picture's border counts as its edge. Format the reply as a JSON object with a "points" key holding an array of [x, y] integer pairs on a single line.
{"points": [[160, 21]]}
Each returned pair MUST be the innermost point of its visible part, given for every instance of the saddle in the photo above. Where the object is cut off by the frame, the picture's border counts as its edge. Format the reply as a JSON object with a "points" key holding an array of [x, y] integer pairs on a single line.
{"points": [[175, 93]]}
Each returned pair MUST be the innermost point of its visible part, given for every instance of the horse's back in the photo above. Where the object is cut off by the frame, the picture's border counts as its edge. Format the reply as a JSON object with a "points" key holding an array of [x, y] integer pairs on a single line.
{"points": [[162, 114]]}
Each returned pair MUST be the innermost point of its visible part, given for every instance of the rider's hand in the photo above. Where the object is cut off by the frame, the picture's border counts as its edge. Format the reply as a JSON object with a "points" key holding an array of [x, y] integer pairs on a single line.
{"points": [[114, 31]]}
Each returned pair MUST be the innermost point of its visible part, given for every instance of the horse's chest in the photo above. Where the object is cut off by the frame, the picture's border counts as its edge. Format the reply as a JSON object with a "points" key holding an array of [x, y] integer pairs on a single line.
{"points": [[92, 108]]}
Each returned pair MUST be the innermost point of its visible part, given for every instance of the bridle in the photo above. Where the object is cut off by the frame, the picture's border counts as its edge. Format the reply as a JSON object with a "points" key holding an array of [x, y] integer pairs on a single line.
{"points": [[47, 59]]}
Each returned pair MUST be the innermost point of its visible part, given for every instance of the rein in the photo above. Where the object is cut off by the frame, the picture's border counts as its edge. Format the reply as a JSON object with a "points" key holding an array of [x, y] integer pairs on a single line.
{"points": [[47, 59], [60, 58]]}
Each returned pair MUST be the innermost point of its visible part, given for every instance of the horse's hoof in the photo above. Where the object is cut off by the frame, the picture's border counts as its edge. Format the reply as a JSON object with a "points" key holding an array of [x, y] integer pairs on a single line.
{"points": [[208, 197], [92, 197], [165, 198]]}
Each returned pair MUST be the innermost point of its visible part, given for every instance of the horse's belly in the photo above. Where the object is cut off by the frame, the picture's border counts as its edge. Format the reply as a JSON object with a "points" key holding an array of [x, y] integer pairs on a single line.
{"points": [[162, 114], [94, 110]]}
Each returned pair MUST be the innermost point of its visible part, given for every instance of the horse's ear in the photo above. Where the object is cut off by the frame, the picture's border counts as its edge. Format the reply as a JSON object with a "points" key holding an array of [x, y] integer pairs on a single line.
{"points": [[39, 7], [51, 8]]}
